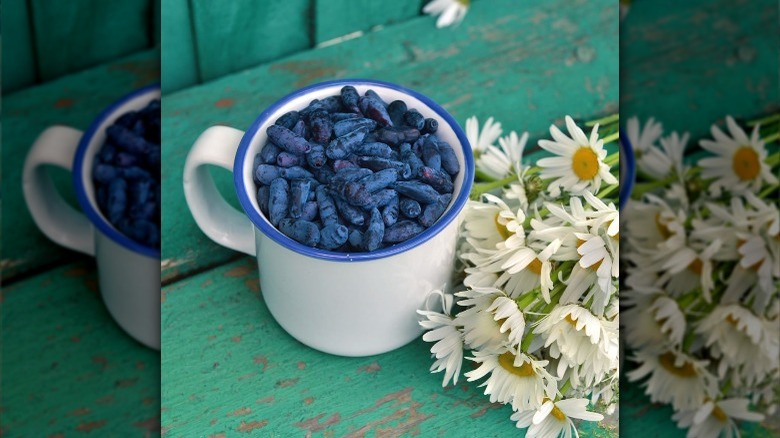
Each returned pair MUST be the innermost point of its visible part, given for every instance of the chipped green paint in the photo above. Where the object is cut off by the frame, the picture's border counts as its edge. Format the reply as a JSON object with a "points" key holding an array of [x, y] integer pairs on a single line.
{"points": [[668, 47], [228, 365], [67, 367], [502, 61]]}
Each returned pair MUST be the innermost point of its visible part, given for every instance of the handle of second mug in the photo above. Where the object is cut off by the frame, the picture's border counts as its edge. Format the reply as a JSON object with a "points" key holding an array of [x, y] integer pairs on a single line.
{"points": [[216, 218], [59, 221]]}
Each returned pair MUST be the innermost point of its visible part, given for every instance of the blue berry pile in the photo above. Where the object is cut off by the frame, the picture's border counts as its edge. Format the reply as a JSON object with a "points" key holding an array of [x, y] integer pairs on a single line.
{"points": [[353, 173], [126, 175]]}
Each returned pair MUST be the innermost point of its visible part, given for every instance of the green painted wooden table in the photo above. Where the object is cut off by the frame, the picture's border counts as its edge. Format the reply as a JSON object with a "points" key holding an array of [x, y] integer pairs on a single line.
{"points": [[688, 64], [227, 366], [67, 368]]}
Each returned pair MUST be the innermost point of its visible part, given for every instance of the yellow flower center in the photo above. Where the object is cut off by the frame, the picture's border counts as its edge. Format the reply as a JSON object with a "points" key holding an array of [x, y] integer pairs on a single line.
{"points": [[585, 163], [464, 3], [696, 266], [507, 362], [502, 229], [662, 228], [535, 266], [719, 414], [571, 321], [685, 370], [746, 164], [558, 414]]}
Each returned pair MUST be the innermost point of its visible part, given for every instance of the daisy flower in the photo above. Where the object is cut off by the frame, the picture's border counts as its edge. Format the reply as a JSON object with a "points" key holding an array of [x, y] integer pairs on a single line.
{"points": [[554, 419], [485, 222], [643, 138], [481, 329], [764, 215], [448, 347], [506, 312], [741, 339], [499, 162], [675, 378], [514, 378], [650, 158], [656, 320], [579, 164], [580, 338], [480, 140], [715, 419], [524, 269], [692, 268], [674, 149], [449, 11], [740, 162]]}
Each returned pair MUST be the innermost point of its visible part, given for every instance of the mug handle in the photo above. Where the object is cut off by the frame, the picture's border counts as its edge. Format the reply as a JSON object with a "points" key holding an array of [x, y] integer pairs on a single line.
{"points": [[217, 219], [59, 221]]}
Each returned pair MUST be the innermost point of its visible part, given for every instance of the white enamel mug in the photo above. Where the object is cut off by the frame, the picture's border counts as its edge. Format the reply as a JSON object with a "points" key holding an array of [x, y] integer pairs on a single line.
{"points": [[349, 304], [128, 272]]}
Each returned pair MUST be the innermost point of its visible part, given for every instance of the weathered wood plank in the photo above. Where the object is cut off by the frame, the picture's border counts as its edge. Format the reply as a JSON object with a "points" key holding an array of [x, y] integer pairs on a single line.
{"points": [[67, 367], [691, 64], [501, 62], [231, 36], [19, 69], [74, 35], [334, 18], [228, 367], [179, 64], [74, 100]]}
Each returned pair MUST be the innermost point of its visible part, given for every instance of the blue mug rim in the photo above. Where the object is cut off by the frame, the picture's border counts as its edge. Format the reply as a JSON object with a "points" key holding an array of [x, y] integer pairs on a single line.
{"points": [[254, 215], [89, 209], [628, 150]]}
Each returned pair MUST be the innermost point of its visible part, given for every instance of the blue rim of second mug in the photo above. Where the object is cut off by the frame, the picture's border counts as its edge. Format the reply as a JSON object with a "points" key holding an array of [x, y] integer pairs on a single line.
{"points": [[457, 205], [91, 210], [627, 185]]}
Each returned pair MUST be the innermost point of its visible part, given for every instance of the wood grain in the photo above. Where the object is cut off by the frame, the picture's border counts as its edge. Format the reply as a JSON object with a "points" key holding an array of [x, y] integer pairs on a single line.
{"points": [[229, 368], [67, 367], [74, 100], [179, 64], [19, 69], [502, 61], [70, 36], [335, 18], [231, 36], [690, 64]]}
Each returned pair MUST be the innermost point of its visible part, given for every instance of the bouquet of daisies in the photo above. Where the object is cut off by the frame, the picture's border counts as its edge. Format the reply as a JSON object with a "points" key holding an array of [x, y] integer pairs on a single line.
{"points": [[536, 313], [702, 274]]}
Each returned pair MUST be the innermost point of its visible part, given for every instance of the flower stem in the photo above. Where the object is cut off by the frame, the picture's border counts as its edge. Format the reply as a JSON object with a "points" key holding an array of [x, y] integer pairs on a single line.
{"points": [[612, 159], [642, 188], [480, 175], [565, 387], [771, 138], [526, 342], [610, 138], [607, 190], [764, 193], [604, 120], [481, 188], [764, 120], [773, 160], [525, 300]]}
